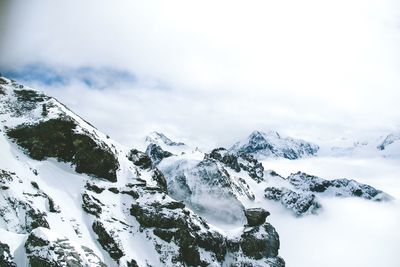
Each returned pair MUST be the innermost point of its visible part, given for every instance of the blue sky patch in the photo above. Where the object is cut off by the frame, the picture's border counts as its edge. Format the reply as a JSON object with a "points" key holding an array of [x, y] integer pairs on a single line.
{"points": [[93, 77]]}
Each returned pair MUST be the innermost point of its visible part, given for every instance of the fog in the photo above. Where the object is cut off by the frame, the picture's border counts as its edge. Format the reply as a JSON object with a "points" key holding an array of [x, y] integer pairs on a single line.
{"points": [[348, 231]]}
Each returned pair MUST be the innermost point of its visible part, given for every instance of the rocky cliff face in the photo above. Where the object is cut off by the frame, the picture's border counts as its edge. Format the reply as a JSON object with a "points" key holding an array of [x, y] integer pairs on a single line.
{"points": [[271, 144], [71, 196]]}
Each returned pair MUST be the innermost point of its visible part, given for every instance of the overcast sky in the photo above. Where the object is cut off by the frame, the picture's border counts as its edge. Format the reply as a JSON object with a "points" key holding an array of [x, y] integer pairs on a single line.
{"points": [[212, 71]]}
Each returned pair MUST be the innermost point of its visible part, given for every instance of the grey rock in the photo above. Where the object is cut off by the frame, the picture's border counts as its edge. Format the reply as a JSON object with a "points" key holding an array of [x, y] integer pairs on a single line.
{"points": [[256, 216]]}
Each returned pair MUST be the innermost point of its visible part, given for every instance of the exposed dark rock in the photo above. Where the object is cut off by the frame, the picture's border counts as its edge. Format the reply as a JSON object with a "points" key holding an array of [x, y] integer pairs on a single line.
{"points": [[132, 263], [114, 190], [107, 240], [52, 206], [239, 161], [156, 153], [222, 155], [28, 100], [94, 188], [299, 203], [337, 187], [172, 223], [56, 138], [36, 219], [28, 217], [5, 177], [134, 194], [260, 242], [140, 159], [256, 216], [157, 216], [254, 168], [63, 253], [35, 185], [160, 179], [188, 249], [44, 110], [6, 258], [91, 205], [164, 234], [3, 81]]}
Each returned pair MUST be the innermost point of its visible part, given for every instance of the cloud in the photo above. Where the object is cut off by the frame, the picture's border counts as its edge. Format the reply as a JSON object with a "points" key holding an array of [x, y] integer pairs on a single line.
{"points": [[309, 68]]}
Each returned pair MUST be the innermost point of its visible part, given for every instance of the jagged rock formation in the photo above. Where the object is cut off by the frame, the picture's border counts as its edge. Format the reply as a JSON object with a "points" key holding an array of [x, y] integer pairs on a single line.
{"points": [[58, 138], [337, 187], [207, 187], [44, 249], [71, 196], [156, 153], [6, 259], [301, 192], [271, 144], [256, 216], [299, 203], [238, 162]]}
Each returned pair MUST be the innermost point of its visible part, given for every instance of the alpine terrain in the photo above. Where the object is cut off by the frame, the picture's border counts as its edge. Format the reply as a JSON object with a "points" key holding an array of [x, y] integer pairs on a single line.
{"points": [[72, 196]]}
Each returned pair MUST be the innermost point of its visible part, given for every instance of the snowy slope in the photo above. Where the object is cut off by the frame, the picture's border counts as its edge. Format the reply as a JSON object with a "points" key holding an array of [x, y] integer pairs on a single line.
{"points": [[86, 200]]}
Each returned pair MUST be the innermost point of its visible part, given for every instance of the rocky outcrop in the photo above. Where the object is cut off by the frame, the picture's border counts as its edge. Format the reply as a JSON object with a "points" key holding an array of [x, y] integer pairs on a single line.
{"points": [[255, 216], [208, 188], [259, 242], [6, 258], [143, 161], [337, 187], [171, 222], [239, 161], [140, 159], [57, 138], [257, 246], [43, 249], [299, 203], [107, 240], [272, 144], [21, 216], [91, 205], [156, 153]]}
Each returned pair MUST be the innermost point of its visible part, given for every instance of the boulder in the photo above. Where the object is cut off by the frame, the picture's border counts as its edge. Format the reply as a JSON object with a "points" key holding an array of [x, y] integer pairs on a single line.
{"points": [[255, 216]]}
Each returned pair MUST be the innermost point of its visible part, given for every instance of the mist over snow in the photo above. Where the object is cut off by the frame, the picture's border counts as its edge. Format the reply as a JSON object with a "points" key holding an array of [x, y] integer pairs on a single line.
{"points": [[208, 73], [348, 232]]}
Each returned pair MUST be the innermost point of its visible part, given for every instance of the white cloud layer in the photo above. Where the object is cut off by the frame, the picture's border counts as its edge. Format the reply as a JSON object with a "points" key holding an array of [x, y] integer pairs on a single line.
{"points": [[305, 67]]}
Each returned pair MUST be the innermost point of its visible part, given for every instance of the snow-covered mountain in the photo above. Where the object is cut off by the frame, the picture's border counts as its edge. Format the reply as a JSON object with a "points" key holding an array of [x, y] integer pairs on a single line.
{"points": [[223, 176], [387, 146], [272, 144], [72, 196], [160, 138]]}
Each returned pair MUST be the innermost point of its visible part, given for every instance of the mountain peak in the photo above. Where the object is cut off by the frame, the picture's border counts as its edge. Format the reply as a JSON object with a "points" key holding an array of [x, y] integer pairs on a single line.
{"points": [[272, 144], [157, 138]]}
